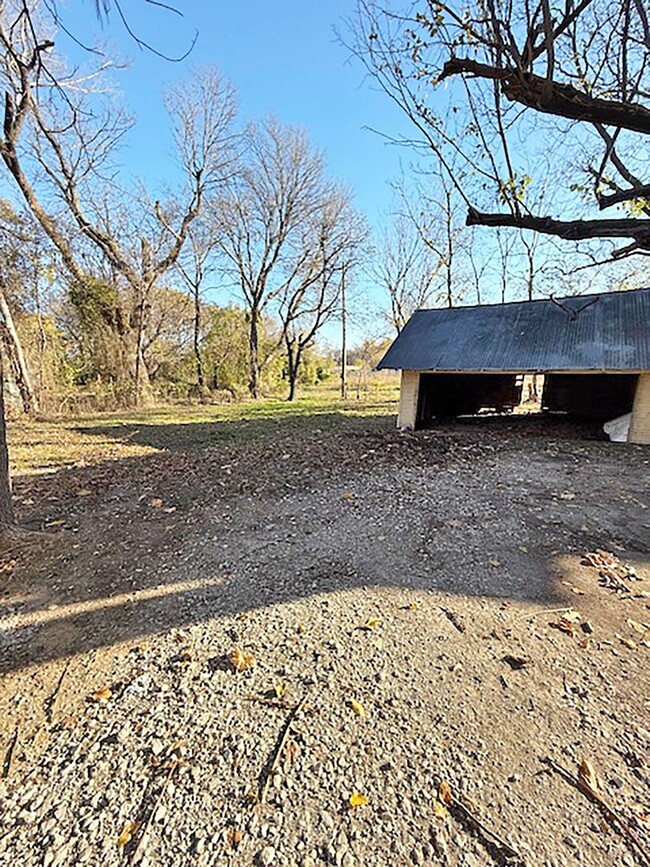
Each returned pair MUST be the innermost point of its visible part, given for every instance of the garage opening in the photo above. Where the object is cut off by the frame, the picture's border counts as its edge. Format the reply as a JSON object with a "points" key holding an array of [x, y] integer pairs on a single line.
{"points": [[449, 395], [583, 397], [590, 397]]}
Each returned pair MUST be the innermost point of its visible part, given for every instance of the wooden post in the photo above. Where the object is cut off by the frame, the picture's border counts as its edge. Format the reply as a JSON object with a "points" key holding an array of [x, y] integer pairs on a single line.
{"points": [[640, 422], [408, 399]]}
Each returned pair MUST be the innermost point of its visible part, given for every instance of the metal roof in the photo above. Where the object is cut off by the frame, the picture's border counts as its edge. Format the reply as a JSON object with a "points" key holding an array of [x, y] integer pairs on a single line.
{"points": [[610, 331]]}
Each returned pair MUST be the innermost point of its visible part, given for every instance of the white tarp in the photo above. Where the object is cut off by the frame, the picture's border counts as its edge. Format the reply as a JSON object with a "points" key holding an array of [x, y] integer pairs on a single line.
{"points": [[618, 428]]}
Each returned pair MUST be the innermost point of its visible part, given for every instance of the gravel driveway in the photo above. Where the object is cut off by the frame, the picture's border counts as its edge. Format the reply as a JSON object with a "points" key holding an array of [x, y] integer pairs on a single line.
{"points": [[410, 610]]}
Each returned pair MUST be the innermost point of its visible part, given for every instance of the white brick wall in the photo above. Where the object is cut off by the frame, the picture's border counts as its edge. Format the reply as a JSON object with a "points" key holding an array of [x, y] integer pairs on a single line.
{"points": [[408, 399], [640, 425]]}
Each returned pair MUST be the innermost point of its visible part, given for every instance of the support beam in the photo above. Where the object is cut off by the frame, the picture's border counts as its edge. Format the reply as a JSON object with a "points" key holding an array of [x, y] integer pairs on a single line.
{"points": [[408, 399], [640, 424]]}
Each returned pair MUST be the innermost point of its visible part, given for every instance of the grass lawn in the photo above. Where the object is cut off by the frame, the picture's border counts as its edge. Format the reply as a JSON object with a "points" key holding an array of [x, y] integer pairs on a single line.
{"points": [[50, 444]]}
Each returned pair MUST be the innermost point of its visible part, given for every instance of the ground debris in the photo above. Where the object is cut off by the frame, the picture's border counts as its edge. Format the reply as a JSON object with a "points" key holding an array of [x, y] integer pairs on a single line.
{"points": [[613, 574]]}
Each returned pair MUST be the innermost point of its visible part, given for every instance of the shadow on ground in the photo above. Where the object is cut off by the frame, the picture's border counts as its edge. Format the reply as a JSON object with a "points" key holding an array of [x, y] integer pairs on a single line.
{"points": [[278, 512]]}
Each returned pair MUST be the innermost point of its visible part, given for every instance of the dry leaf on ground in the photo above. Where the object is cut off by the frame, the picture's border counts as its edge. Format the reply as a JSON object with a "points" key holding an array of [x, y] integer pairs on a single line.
{"points": [[372, 623], [439, 810], [564, 625], [358, 708], [127, 834], [102, 695], [240, 659], [357, 799], [588, 779], [444, 793], [234, 837]]}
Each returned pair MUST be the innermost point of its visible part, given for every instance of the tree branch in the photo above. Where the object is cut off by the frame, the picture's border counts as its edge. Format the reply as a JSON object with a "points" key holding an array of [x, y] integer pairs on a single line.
{"points": [[573, 230], [562, 100]]}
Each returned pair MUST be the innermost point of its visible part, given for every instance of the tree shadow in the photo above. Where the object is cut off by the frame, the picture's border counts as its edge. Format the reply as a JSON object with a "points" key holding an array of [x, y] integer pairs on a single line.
{"points": [[195, 534], [255, 426]]}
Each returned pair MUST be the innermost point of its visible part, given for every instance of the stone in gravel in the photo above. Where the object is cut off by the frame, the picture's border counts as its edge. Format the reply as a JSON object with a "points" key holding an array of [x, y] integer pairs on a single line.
{"points": [[267, 856]]}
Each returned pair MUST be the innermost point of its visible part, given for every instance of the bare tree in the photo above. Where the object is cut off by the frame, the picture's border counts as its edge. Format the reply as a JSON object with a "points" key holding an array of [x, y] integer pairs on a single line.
{"points": [[64, 134], [16, 253], [518, 72], [330, 245], [404, 269], [194, 265], [279, 191]]}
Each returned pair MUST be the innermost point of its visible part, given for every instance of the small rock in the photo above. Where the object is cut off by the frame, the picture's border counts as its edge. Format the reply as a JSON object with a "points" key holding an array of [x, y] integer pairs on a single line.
{"points": [[267, 856]]}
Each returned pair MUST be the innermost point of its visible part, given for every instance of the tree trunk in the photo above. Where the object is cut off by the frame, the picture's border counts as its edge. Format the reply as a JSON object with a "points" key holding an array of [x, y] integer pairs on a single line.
{"points": [[254, 372], [141, 376], [17, 359], [293, 359], [344, 339], [6, 505], [197, 342], [450, 253]]}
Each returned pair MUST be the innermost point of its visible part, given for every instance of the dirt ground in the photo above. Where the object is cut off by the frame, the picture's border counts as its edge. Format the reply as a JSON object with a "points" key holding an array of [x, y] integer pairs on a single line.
{"points": [[419, 612]]}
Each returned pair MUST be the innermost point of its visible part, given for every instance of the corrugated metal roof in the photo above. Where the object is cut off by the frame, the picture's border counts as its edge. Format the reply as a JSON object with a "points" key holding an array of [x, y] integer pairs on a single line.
{"points": [[587, 332]]}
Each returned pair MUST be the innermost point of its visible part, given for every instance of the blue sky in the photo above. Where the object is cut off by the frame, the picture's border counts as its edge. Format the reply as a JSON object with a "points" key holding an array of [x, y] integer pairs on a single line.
{"points": [[283, 57]]}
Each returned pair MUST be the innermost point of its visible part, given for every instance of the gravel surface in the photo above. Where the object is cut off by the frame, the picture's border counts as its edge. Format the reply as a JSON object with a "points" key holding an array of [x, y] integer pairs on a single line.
{"points": [[407, 591]]}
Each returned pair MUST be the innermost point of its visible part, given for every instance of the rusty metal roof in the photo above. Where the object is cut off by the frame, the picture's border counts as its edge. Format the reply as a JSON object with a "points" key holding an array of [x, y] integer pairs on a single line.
{"points": [[610, 331]]}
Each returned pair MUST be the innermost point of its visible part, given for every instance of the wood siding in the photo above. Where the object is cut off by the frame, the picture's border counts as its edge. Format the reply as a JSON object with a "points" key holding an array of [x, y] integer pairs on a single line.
{"points": [[640, 424]]}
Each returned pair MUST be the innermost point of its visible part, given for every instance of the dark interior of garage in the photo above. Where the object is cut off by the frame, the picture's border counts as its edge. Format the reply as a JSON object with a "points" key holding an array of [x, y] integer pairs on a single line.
{"points": [[592, 397], [586, 397]]}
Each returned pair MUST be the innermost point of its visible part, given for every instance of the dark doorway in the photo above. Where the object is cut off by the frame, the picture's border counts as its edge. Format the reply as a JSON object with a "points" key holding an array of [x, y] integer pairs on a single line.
{"points": [[449, 395], [589, 396]]}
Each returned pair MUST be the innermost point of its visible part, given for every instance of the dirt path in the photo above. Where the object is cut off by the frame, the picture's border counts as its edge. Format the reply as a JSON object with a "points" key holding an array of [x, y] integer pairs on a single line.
{"points": [[395, 570]]}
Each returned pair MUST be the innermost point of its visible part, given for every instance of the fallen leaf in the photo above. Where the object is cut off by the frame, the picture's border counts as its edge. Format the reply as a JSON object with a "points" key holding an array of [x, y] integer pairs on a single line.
{"points": [[156, 502], [444, 793], [494, 561], [84, 492], [358, 708], [439, 810], [127, 834], [627, 642], [357, 799], [372, 623], [348, 495], [240, 659], [588, 779], [102, 695], [575, 590], [301, 628], [279, 689], [234, 837], [414, 606], [564, 625], [523, 549]]}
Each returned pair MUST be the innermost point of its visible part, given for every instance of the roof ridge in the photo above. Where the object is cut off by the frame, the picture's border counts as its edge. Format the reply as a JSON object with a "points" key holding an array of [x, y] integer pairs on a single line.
{"points": [[617, 292]]}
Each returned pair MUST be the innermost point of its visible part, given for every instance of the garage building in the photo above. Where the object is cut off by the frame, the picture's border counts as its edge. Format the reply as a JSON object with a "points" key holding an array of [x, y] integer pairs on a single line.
{"points": [[592, 350]]}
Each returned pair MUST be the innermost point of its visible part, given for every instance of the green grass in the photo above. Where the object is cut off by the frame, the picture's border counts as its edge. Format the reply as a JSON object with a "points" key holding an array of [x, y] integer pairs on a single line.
{"points": [[47, 445]]}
